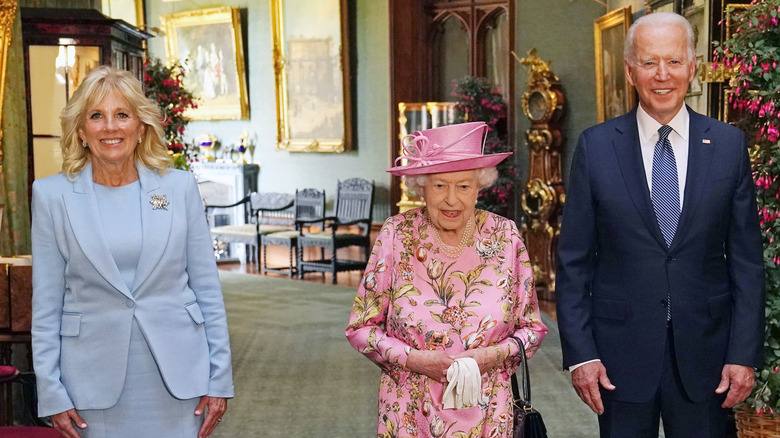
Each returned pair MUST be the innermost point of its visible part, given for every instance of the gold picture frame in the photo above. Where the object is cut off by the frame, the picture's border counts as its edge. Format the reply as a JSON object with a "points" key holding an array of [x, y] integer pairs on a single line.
{"points": [[614, 95], [311, 55], [209, 44], [731, 10]]}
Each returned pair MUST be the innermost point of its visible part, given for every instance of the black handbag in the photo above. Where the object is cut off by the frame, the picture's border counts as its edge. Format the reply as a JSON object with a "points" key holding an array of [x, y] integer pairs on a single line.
{"points": [[528, 421]]}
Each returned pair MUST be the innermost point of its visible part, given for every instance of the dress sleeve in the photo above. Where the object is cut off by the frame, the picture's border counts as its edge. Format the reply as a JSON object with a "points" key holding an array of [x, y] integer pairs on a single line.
{"points": [[528, 322], [367, 330]]}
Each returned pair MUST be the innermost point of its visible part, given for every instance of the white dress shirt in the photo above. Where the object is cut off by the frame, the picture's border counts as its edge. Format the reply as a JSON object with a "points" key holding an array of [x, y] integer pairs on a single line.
{"points": [[648, 137]]}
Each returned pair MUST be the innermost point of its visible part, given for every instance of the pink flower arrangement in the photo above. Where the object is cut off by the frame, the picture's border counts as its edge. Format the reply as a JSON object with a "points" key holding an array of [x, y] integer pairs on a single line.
{"points": [[479, 101], [752, 55], [164, 85]]}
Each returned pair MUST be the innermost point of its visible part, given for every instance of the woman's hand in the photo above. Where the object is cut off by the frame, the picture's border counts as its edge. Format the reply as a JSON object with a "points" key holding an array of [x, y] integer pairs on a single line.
{"points": [[432, 363], [215, 409], [487, 358], [62, 423]]}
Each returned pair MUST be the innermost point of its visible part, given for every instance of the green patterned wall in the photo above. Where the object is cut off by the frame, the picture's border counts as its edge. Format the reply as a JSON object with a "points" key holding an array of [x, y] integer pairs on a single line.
{"points": [[563, 36]]}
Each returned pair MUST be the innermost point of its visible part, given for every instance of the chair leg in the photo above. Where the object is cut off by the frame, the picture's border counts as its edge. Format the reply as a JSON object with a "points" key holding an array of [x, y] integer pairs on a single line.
{"points": [[300, 261], [251, 255], [333, 265], [264, 256], [291, 260]]}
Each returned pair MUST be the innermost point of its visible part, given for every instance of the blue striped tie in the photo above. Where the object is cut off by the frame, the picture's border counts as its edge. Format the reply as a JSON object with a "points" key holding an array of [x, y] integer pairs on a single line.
{"points": [[666, 189], [666, 194]]}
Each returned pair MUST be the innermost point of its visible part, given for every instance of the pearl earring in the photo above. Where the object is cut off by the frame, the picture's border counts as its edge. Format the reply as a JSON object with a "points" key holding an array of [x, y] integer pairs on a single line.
{"points": [[139, 140]]}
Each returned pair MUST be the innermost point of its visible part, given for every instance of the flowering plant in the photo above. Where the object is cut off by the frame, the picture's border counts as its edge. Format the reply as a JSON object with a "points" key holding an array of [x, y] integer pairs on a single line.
{"points": [[479, 101], [750, 56], [164, 85]]}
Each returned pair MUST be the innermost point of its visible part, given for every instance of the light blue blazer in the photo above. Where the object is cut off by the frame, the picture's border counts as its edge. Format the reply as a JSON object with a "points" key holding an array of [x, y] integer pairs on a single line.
{"points": [[83, 310]]}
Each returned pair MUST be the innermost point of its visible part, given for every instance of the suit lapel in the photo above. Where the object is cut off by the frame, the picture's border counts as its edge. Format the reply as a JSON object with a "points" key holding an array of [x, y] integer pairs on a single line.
{"points": [[156, 223], [699, 160], [629, 154], [84, 216]]}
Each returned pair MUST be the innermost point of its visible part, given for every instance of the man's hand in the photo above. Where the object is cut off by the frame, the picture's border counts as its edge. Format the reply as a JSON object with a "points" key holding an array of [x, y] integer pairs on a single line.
{"points": [[586, 380], [738, 380]]}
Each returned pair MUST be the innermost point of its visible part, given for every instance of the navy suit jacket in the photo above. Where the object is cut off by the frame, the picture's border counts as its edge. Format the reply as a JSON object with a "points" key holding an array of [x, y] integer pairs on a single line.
{"points": [[614, 268], [83, 311]]}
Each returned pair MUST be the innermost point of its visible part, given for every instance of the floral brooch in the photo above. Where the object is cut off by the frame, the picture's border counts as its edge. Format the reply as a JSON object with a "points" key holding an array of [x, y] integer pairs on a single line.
{"points": [[159, 202]]}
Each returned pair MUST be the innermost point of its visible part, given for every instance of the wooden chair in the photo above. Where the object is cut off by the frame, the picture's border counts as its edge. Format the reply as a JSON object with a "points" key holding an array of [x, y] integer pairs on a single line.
{"points": [[309, 206], [350, 226], [31, 426], [28, 432], [264, 213]]}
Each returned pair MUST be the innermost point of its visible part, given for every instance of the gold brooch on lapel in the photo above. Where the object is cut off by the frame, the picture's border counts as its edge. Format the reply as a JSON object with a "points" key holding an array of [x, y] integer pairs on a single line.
{"points": [[705, 140], [159, 202]]}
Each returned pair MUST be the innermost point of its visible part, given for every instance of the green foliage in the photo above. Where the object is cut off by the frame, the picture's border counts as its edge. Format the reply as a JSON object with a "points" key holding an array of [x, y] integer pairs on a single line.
{"points": [[479, 101], [164, 85], [751, 57]]}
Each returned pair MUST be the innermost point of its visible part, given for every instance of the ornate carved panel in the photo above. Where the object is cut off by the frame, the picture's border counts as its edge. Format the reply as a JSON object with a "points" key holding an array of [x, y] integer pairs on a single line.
{"points": [[543, 195]]}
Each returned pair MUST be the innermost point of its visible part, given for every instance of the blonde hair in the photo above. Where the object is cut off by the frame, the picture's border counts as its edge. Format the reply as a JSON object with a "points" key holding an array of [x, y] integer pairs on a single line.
{"points": [[486, 177], [151, 152]]}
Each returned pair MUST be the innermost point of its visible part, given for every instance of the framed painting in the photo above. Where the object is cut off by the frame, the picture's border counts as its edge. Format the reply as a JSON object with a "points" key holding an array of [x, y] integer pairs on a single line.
{"points": [[614, 95], [131, 11], [695, 88], [208, 43], [312, 69]]}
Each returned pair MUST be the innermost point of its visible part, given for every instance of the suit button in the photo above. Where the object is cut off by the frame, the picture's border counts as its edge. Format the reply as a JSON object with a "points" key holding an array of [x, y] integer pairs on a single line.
{"points": [[663, 303], [671, 260], [129, 304]]}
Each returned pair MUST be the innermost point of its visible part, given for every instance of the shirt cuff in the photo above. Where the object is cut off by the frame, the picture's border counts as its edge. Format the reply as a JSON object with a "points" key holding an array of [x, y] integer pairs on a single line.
{"points": [[574, 367]]}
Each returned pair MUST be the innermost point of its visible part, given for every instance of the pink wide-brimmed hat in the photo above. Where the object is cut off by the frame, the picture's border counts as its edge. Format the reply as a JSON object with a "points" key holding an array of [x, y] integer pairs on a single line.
{"points": [[450, 148]]}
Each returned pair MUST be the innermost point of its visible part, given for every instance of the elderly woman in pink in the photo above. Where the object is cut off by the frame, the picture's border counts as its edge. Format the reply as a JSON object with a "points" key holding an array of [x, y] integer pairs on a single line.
{"points": [[447, 295]]}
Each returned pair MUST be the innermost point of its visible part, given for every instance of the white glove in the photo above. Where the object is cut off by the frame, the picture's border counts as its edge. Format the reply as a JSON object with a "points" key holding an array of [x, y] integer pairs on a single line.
{"points": [[464, 389]]}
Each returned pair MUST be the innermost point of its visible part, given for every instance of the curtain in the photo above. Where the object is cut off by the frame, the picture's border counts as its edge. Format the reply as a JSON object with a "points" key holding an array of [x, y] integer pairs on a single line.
{"points": [[15, 231]]}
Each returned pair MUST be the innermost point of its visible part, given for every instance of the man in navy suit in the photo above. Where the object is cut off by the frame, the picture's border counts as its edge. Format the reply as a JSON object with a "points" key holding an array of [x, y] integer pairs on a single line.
{"points": [[660, 271]]}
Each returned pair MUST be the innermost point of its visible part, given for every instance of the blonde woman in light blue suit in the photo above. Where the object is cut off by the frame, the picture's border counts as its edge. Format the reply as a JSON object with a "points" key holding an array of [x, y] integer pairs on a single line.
{"points": [[129, 331]]}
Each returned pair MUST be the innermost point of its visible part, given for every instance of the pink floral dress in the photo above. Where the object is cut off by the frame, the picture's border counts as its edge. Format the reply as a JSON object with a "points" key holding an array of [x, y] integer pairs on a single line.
{"points": [[415, 296]]}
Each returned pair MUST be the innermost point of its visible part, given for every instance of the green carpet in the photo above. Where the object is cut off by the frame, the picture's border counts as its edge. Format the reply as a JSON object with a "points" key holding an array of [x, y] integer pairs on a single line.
{"points": [[296, 376]]}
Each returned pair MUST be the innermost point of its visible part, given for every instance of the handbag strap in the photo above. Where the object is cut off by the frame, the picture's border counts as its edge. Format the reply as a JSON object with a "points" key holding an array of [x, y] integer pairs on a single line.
{"points": [[526, 396]]}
